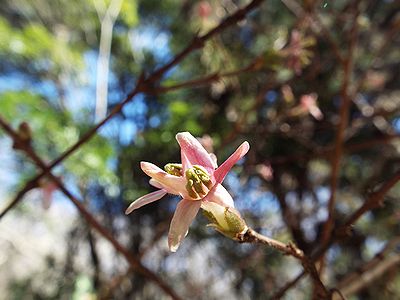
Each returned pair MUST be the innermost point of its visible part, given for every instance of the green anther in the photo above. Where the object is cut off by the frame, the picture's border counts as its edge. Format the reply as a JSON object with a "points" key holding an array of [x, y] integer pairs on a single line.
{"points": [[207, 182], [189, 188], [198, 186], [199, 170], [192, 183], [197, 178], [173, 169], [203, 175]]}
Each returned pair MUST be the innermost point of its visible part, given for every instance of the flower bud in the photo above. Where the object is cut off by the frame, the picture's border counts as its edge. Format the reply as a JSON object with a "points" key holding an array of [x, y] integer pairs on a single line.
{"points": [[25, 136], [225, 220]]}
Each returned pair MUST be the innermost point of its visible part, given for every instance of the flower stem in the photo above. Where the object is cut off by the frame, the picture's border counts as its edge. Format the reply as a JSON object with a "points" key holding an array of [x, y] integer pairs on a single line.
{"points": [[251, 236]]}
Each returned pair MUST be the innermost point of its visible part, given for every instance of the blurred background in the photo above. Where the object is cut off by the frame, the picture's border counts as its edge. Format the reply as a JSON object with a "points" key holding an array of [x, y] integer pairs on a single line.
{"points": [[286, 70]]}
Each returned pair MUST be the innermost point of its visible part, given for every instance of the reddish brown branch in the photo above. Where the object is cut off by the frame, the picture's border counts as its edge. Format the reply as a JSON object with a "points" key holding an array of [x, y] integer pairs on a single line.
{"points": [[206, 79], [340, 135], [375, 200], [188, 84], [28, 186], [251, 236], [199, 41]]}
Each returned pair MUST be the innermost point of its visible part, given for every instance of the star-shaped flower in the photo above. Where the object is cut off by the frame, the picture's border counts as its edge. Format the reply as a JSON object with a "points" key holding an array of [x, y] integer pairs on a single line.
{"points": [[198, 181]]}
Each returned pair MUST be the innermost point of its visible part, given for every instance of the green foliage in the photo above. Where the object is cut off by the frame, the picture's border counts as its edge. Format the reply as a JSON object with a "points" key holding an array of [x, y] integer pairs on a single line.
{"points": [[55, 131], [34, 43], [129, 13]]}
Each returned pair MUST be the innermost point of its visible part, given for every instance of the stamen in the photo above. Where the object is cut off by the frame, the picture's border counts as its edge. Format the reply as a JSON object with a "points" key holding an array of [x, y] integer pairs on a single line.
{"points": [[174, 169], [198, 182], [203, 175], [189, 188]]}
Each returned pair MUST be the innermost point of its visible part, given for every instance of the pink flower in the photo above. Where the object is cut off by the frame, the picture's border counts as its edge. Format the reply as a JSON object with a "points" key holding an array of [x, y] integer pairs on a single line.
{"points": [[197, 180], [309, 104]]}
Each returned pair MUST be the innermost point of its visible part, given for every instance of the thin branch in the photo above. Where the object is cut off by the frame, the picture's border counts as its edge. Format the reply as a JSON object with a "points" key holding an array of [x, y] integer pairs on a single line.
{"points": [[198, 41], [375, 200], [337, 294], [208, 79], [340, 135], [28, 186], [251, 236], [189, 84]]}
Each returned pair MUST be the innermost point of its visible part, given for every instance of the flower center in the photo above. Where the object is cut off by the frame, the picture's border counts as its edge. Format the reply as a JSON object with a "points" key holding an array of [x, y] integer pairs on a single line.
{"points": [[198, 182]]}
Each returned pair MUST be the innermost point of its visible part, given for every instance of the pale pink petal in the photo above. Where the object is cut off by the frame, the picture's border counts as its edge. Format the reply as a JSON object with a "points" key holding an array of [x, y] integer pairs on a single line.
{"points": [[214, 159], [146, 199], [219, 213], [183, 217], [173, 184], [217, 210], [185, 162], [223, 169], [155, 183], [316, 112], [219, 195], [309, 103], [160, 186], [194, 151]]}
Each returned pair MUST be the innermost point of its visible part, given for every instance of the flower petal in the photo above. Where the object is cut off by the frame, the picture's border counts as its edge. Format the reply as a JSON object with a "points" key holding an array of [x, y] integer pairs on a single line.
{"points": [[226, 220], [217, 211], [155, 183], [183, 217], [172, 184], [223, 169], [146, 199], [219, 195], [186, 164], [194, 152], [160, 186]]}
